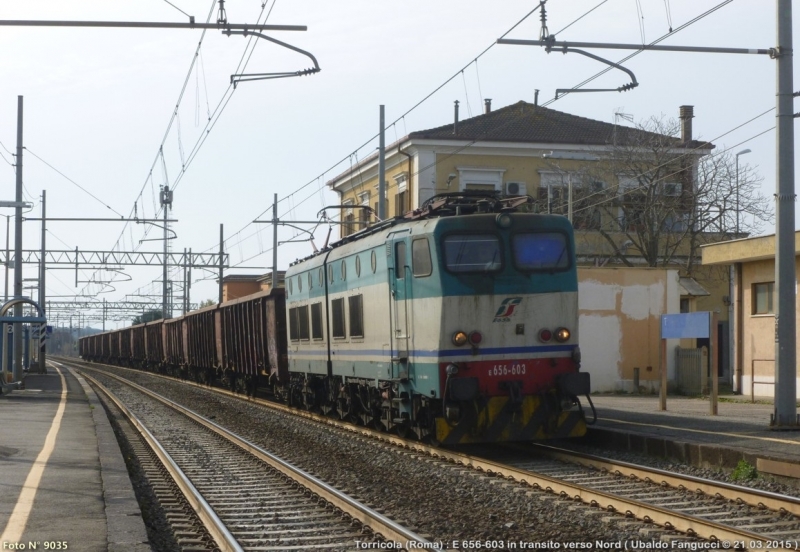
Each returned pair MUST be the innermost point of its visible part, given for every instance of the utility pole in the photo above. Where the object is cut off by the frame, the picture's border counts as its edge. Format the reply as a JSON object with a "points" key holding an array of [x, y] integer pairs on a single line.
{"points": [[42, 271], [8, 233], [221, 253], [189, 282], [166, 201], [785, 416], [275, 241], [17, 372], [382, 168], [104, 314], [185, 304], [785, 413]]}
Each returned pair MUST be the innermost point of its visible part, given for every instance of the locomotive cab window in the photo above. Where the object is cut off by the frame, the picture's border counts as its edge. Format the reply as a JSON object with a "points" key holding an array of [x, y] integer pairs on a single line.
{"points": [[421, 258], [545, 251], [337, 319], [472, 253]]}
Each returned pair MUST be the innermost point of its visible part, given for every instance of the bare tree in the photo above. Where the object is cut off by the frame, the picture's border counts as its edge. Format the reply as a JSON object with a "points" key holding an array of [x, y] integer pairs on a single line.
{"points": [[656, 199]]}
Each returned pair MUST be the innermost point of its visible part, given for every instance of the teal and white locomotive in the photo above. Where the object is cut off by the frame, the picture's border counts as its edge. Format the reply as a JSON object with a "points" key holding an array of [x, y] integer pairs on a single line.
{"points": [[457, 323]]}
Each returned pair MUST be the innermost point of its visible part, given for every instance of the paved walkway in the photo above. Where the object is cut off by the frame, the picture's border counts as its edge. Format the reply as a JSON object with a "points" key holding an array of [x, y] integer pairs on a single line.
{"points": [[739, 424], [62, 475]]}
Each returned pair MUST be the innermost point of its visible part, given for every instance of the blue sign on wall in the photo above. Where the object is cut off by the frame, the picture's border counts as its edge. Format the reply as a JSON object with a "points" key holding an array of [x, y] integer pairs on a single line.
{"points": [[686, 325]]}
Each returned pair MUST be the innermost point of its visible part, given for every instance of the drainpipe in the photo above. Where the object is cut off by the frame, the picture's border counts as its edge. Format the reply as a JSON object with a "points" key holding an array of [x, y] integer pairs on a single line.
{"points": [[739, 315], [408, 184]]}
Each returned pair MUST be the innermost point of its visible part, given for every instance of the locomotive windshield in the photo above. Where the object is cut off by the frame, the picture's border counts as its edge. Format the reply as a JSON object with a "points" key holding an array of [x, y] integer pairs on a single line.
{"points": [[473, 253], [541, 251]]}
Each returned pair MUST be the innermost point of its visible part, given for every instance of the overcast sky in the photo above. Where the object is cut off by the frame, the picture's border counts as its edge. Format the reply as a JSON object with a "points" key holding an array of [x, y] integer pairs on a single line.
{"points": [[99, 102]]}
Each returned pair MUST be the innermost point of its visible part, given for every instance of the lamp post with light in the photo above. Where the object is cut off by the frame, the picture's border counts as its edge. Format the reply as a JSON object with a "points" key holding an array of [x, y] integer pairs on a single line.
{"points": [[737, 188]]}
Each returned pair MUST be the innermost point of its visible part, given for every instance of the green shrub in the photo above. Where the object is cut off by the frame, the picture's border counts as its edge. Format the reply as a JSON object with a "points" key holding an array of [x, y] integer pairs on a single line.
{"points": [[744, 471]]}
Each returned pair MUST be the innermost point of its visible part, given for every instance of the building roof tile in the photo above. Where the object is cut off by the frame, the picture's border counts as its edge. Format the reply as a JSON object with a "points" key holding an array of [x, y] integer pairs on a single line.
{"points": [[526, 122]]}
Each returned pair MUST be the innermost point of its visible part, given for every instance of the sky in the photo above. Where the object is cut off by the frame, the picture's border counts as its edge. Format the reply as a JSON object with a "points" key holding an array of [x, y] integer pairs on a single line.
{"points": [[110, 115]]}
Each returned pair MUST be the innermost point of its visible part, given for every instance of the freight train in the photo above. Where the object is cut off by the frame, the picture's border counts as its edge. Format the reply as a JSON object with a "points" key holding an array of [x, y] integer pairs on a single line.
{"points": [[456, 323]]}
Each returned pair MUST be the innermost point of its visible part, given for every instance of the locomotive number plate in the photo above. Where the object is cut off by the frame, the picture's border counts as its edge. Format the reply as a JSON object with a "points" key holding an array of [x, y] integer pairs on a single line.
{"points": [[506, 370]]}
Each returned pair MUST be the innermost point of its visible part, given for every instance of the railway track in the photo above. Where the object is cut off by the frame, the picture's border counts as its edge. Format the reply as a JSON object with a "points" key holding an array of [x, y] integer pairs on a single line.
{"points": [[246, 497], [732, 516]]}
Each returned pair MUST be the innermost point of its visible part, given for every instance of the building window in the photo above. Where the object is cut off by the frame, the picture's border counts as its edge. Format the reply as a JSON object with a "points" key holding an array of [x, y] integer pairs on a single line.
{"points": [[685, 305], [479, 178], [356, 316], [400, 207], [348, 218], [763, 294], [363, 214], [337, 319]]}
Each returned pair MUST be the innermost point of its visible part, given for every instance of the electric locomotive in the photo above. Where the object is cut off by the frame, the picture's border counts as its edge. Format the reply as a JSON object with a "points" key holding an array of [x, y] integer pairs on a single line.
{"points": [[457, 323]]}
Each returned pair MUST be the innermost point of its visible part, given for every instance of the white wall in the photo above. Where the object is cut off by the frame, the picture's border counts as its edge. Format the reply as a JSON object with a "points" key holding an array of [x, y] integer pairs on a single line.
{"points": [[619, 325]]}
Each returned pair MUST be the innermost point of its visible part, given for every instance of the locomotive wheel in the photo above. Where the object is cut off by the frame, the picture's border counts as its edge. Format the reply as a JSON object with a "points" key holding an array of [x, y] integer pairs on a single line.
{"points": [[405, 430]]}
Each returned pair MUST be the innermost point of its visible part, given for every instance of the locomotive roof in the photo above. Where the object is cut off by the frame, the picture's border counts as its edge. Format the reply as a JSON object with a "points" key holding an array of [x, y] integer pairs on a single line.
{"points": [[464, 203]]}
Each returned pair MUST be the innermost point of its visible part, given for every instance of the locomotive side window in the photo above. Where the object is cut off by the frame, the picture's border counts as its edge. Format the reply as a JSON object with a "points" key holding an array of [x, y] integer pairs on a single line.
{"points": [[298, 323], [302, 322], [356, 316], [358, 266], [321, 278], [294, 332], [400, 260], [299, 283], [541, 251], [374, 262], [344, 270], [337, 318], [316, 321], [472, 253], [421, 257]]}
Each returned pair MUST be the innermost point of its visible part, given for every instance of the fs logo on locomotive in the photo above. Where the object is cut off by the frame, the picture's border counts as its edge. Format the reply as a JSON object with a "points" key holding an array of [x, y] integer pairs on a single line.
{"points": [[506, 309]]}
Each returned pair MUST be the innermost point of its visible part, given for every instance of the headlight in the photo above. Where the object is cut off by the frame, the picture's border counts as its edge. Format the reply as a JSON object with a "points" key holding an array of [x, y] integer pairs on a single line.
{"points": [[459, 339], [562, 335]]}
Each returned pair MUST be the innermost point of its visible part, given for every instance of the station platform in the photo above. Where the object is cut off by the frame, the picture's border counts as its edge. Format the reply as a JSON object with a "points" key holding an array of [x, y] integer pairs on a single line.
{"points": [[687, 431], [63, 480]]}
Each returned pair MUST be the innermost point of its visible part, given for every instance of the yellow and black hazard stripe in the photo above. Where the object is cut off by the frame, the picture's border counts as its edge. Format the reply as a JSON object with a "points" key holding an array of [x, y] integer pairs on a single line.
{"points": [[503, 419]]}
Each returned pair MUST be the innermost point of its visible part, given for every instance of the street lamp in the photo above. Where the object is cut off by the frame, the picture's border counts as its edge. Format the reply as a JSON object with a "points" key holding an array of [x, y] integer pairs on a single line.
{"points": [[737, 188]]}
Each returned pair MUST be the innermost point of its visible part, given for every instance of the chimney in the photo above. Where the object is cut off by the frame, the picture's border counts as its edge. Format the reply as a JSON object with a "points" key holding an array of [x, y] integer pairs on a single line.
{"points": [[536, 97], [686, 115], [455, 121], [487, 103]]}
